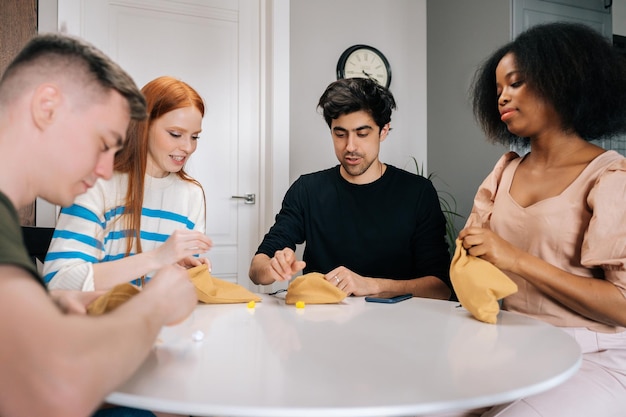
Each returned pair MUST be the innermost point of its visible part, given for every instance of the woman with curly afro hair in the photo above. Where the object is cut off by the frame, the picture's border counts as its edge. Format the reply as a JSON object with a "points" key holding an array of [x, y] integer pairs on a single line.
{"points": [[554, 220]]}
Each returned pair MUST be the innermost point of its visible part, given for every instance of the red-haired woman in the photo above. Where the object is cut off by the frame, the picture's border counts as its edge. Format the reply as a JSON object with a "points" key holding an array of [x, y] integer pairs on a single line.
{"points": [[150, 196]]}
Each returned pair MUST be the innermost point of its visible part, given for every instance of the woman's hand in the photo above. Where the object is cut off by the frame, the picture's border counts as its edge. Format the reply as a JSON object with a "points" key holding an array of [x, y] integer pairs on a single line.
{"points": [[181, 245], [192, 261], [485, 244]]}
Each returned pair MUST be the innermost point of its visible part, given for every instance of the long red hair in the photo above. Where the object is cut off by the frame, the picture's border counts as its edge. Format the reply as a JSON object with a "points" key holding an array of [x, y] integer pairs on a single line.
{"points": [[163, 94]]}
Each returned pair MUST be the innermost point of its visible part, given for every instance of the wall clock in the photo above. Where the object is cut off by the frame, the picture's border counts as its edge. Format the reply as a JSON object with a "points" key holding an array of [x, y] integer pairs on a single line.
{"points": [[364, 61]]}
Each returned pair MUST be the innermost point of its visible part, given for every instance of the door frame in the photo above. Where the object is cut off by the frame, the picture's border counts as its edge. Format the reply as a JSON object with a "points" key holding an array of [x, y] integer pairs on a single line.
{"points": [[275, 109]]}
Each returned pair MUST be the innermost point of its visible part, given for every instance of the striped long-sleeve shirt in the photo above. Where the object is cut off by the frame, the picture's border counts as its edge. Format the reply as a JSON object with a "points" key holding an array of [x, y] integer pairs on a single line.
{"points": [[89, 231]]}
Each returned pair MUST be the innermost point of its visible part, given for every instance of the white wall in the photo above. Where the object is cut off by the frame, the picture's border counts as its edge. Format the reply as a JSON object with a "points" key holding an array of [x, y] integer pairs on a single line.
{"points": [[461, 34], [320, 31]]}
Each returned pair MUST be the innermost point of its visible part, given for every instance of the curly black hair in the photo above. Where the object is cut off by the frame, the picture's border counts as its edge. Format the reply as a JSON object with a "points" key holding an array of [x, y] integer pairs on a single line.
{"points": [[569, 65], [349, 95]]}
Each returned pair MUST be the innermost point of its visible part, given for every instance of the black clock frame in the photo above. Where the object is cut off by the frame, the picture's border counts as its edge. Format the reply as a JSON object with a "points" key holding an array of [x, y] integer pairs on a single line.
{"points": [[344, 58]]}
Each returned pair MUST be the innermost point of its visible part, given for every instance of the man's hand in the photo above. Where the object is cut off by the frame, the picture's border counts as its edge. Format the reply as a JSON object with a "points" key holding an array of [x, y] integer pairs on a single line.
{"points": [[74, 302], [172, 288], [281, 267], [285, 264], [350, 282]]}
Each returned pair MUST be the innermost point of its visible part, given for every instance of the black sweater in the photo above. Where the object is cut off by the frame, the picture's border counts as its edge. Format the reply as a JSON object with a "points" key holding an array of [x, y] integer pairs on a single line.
{"points": [[391, 228]]}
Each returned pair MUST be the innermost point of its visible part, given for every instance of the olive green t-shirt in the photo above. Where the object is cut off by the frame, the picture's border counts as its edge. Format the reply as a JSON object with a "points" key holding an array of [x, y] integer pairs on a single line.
{"points": [[12, 248]]}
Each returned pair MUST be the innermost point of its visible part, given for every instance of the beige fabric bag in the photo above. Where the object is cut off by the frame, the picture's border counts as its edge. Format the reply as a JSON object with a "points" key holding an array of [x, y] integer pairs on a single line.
{"points": [[313, 288], [211, 290], [479, 284]]}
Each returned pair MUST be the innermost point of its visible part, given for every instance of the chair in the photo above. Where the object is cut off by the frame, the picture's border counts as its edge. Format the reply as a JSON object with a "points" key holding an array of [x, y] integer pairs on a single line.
{"points": [[37, 241]]}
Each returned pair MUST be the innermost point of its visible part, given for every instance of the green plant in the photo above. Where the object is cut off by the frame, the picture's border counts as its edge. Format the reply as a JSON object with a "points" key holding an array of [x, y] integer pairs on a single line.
{"points": [[448, 207]]}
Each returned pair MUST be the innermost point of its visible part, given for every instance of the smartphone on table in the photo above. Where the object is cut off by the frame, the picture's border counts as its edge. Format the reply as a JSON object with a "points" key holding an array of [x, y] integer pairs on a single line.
{"points": [[388, 298]]}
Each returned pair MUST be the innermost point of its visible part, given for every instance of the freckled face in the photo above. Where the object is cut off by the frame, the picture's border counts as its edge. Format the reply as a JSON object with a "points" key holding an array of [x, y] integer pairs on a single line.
{"points": [[357, 138], [172, 139], [523, 111]]}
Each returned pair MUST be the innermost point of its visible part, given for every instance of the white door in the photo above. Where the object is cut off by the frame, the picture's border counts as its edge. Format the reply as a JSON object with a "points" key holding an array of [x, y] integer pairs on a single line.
{"points": [[214, 46]]}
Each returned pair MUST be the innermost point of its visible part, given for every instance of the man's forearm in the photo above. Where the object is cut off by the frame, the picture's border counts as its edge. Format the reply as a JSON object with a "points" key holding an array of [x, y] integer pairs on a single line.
{"points": [[426, 287], [259, 270]]}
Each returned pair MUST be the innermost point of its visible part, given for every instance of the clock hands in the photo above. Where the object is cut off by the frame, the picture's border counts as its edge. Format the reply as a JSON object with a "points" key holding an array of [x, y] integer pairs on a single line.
{"points": [[364, 61]]}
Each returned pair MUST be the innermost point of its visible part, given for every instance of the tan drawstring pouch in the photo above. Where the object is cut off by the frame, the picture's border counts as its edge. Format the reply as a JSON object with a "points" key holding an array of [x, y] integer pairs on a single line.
{"points": [[313, 288], [479, 284], [211, 290], [112, 299]]}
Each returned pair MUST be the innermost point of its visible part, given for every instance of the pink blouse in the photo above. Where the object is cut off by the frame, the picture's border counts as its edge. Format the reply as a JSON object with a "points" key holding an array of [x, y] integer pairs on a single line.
{"points": [[582, 231]]}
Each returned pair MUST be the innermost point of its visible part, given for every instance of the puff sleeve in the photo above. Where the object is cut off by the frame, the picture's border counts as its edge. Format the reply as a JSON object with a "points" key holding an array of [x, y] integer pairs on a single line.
{"points": [[604, 244], [486, 194]]}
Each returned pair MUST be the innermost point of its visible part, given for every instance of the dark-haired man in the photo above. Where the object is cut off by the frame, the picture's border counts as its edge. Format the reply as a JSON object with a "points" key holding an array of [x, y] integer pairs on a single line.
{"points": [[369, 227]]}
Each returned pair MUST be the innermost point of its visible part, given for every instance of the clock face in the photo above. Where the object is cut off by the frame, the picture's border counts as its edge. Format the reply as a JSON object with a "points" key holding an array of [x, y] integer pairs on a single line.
{"points": [[365, 62]]}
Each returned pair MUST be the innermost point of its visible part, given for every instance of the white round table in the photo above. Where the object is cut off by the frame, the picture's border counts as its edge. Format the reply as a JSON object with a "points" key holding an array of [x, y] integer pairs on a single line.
{"points": [[416, 357]]}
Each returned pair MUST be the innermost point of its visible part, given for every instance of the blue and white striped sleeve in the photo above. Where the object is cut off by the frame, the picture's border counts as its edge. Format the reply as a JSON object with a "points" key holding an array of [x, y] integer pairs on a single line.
{"points": [[76, 245]]}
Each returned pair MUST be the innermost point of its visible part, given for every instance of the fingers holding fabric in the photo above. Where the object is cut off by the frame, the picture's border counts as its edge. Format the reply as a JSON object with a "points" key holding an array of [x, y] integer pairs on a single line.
{"points": [[486, 244]]}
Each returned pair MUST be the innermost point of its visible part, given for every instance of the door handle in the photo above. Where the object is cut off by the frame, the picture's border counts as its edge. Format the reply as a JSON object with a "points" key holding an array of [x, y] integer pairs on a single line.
{"points": [[248, 198]]}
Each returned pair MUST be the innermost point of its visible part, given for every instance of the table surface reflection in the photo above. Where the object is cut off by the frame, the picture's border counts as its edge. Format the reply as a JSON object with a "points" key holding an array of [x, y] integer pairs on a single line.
{"points": [[355, 358]]}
